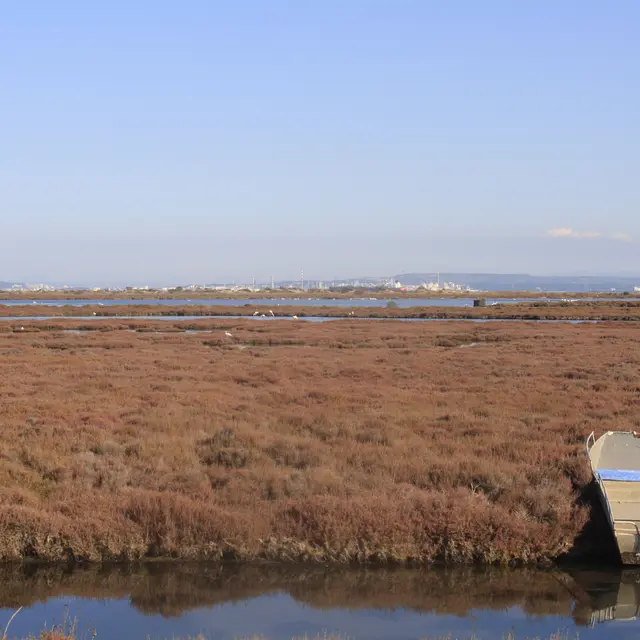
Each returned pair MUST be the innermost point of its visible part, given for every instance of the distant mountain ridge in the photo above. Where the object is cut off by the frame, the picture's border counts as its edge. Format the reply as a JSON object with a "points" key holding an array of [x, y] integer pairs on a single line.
{"points": [[525, 282]]}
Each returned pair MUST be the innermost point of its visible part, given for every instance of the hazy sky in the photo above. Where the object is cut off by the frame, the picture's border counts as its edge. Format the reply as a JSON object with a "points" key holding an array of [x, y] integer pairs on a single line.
{"points": [[202, 140]]}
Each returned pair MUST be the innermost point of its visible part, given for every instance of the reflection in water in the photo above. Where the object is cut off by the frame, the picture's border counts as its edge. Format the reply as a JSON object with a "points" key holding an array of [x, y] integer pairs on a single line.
{"points": [[564, 598], [173, 589], [603, 596]]}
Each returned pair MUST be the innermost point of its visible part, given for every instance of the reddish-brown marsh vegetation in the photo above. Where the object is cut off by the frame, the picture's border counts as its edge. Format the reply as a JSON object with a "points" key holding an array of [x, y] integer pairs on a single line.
{"points": [[611, 310], [345, 441]]}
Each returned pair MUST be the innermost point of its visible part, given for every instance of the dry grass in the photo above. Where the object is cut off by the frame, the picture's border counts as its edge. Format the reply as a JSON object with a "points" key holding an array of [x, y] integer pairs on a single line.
{"points": [[344, 442], [65, 631], [57, 634], [628, 310]]}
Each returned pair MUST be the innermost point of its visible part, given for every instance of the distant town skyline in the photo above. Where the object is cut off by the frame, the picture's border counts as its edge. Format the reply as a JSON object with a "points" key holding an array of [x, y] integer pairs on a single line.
{"points": [[432, 280]]}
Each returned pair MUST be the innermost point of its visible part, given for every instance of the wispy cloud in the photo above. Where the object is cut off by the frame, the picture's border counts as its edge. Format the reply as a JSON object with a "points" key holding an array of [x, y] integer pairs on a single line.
{"points": [[568, 232], [623, 236]]}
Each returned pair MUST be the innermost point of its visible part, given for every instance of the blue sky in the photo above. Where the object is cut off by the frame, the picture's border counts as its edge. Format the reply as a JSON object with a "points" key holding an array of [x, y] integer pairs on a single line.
{"points": [[155, 141]]}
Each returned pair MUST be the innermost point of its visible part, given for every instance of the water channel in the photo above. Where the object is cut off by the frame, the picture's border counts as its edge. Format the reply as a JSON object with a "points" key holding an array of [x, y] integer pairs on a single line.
{"points": [[279, 602], [267, 318]]}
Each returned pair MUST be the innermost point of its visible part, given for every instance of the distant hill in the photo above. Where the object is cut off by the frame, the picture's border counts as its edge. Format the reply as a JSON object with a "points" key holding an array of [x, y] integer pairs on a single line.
{"points": [[7, 285], [525, 282]]}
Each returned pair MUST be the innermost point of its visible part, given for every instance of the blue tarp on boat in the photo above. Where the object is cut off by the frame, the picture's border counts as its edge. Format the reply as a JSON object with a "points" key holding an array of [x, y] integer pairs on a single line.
{"points": [[624, 475]]}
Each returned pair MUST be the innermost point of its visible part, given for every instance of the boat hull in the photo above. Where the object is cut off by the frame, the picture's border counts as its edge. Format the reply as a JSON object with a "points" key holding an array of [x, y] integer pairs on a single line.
{"points": [[615, 461]]}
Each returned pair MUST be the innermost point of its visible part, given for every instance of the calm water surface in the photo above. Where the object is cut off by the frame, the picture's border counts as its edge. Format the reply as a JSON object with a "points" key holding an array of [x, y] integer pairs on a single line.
{"points": [[303, 319], [164, 601]]}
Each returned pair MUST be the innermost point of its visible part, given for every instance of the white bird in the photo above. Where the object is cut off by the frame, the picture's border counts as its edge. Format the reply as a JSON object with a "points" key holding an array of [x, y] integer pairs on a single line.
{"points": [[21, 328], [271, 312], [262, 315], [94, 313], [229, 335], [295, 317], [256, 313]]}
